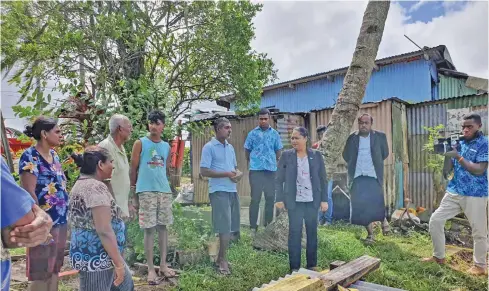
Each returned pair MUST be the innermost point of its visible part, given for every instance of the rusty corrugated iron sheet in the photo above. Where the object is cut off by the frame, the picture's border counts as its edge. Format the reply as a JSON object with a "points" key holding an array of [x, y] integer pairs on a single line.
{"points": [[430, 114], [382, 114]]}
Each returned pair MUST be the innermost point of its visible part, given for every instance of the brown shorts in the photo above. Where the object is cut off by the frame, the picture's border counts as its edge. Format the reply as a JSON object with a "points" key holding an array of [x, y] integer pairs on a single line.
{"points": [[155, 208], [45, 261]]}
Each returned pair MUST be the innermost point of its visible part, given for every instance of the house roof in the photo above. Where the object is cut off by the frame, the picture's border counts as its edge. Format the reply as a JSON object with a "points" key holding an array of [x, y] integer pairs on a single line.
{"points": [[438, 54]]}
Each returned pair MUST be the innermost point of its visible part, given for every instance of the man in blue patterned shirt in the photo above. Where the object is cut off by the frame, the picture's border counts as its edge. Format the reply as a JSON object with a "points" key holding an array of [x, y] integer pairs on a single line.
{"points": [[262, 148], [466, 192]]}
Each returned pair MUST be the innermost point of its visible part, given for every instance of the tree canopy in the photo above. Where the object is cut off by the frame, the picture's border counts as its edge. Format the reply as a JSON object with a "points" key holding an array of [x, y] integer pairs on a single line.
{"points": [[132, 56]]}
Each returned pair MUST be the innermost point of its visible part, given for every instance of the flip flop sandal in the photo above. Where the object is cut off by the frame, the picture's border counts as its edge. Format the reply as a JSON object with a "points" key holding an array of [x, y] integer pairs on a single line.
{"points": [[156, 282]]}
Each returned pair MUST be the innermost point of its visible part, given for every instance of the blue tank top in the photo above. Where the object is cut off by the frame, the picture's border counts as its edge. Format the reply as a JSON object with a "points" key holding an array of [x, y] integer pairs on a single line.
{"points": [[152, 167]]}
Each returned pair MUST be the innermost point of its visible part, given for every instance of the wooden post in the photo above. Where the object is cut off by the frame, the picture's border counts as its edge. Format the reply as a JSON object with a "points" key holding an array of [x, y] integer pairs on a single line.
{"points": [[5, 145]]}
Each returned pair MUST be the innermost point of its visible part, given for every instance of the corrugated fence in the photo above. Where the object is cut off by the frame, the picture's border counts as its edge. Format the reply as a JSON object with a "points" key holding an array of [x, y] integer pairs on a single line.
{"points": [[395, 167], [447, 112]]}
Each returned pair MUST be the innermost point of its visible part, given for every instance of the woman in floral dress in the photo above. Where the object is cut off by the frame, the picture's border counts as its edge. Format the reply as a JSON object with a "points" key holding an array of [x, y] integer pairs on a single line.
{"points": [[42, 176], [97, 228]]}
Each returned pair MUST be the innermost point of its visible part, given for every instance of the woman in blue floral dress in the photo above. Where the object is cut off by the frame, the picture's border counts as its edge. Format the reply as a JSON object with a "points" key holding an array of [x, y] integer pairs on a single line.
{"points": [[97, 228], [41, 174]]}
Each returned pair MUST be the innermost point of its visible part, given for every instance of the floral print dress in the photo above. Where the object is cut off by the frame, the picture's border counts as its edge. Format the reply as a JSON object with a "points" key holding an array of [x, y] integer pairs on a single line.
{"points": [[51, 183], [87, 254]]}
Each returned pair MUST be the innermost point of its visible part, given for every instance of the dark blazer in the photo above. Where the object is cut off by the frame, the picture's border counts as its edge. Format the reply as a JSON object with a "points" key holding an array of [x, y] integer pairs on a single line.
{"points": [[286, 178], [378, 148]]}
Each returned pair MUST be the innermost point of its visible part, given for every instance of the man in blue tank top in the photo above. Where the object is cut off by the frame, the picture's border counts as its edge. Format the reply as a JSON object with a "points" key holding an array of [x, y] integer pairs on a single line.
{"points": [[153, 198], [218, 163]]}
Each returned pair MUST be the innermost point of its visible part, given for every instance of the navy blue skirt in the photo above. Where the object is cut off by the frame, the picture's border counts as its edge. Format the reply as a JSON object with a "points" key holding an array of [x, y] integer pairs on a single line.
{"points": [[367, 201]]}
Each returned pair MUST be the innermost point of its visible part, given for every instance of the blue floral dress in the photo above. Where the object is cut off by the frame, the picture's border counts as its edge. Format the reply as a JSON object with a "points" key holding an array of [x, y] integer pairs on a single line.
{"points": [[51, 183], [87, 254]]}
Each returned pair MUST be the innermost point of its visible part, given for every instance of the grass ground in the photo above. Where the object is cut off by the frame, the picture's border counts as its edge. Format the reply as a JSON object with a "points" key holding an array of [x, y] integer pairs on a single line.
{"points": [[400, 265]]}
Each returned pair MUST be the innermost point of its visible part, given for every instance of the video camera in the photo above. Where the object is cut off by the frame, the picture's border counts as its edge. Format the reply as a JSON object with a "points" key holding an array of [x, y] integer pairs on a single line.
{"points": [[445, 145]]}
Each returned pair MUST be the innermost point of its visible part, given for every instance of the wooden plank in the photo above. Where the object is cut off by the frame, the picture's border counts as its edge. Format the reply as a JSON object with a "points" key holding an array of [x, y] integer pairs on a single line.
{"points": [[350, 272], [336, 264], [285, 282]]}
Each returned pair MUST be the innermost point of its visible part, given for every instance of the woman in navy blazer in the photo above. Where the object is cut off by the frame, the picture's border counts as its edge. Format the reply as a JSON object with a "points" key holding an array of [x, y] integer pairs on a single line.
{"points": [[300, 188]]}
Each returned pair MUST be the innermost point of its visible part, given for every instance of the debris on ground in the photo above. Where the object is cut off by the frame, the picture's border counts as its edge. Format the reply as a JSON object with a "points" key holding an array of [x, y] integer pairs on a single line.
{"points": [[186, 194]]}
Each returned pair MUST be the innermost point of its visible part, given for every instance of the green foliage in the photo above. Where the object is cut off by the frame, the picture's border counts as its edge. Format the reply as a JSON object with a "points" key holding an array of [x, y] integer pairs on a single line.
{"points": [[189, 229], [135, 56], [192, 230], [435, 161], [186, 170]]}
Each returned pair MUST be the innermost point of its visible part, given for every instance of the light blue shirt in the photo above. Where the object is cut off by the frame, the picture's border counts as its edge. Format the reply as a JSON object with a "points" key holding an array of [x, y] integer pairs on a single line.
{"points": [[365, 165], [262, 145], [152, 167], [220, 158]]}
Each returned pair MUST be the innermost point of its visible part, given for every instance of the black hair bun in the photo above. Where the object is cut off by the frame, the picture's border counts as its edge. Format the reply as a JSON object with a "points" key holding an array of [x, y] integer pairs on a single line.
{"points": [[79, 161], [28, 131]]}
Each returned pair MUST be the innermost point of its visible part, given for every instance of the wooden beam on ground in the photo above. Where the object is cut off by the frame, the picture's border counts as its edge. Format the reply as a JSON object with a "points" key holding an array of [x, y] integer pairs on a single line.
{"points": [[336, 264], [350, 272]]}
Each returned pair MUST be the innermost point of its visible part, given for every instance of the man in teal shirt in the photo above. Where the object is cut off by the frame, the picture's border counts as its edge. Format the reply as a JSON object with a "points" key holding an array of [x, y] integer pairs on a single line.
{"points": [[149, 169]]}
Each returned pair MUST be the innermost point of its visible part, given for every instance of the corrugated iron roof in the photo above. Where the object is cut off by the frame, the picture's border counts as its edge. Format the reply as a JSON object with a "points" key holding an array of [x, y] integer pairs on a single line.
{"points": [[446, 99], [438, 54]]}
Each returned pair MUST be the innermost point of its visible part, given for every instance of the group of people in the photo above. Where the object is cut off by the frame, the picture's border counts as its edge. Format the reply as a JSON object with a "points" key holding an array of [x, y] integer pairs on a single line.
{"points": [[106, 195], [110, 191], [295, 180]]}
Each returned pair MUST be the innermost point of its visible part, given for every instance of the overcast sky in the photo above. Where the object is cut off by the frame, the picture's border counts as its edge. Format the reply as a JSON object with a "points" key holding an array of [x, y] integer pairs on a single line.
{"points": [[304, 38]]}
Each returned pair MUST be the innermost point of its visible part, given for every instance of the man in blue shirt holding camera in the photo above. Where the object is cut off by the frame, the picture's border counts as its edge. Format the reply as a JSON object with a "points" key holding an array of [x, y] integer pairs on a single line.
{"points": [[466, 192]]}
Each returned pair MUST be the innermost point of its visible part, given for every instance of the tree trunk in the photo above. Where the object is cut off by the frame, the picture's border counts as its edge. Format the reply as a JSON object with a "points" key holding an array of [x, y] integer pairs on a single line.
{"points": [[355, 83]]}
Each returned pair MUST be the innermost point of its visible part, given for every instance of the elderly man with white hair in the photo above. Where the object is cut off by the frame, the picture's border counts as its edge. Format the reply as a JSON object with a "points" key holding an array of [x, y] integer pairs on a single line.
{"points": [[120, 131]]}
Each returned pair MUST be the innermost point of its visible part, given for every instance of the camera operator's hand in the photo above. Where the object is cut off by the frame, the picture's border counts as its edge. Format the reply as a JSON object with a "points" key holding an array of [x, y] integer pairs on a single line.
{"points": [[453, 153]]}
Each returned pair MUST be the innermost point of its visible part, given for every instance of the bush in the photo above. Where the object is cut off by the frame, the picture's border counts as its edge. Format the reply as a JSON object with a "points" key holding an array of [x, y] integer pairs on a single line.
{"points": [[190, 233], [186, 170]]}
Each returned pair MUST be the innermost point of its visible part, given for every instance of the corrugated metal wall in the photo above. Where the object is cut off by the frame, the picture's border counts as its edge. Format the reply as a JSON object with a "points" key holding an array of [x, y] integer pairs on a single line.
{"points": [[450, 87], [431, 114], [240, 127], [409, 81], [383, 121]]}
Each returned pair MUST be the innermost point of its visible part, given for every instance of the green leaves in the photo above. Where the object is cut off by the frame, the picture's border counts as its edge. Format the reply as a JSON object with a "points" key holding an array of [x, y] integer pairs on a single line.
{"points": [[132, 57]]}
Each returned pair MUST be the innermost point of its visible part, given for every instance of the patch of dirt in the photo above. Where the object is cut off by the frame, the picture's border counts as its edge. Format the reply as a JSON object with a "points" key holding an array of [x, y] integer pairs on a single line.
{"points": [[461, 261]]}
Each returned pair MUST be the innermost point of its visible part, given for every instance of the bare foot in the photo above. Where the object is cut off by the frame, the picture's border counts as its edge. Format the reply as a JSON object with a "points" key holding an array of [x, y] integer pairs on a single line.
{"points": [[223, 268], [166, 272]]}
